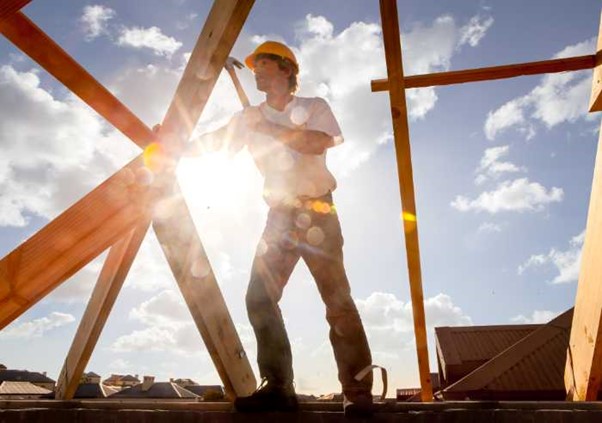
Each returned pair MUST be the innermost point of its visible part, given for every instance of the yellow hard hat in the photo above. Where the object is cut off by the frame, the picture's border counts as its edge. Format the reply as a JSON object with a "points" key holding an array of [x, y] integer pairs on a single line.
{"points": [[271, 47]]}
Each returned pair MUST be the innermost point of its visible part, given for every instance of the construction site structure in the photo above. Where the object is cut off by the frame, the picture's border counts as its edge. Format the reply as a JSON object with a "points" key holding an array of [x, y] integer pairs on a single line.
{"points": [[117, 214]]}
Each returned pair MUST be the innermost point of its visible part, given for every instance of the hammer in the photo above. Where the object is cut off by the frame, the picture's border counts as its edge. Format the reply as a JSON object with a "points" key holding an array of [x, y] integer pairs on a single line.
{"points": [[231, 62]]}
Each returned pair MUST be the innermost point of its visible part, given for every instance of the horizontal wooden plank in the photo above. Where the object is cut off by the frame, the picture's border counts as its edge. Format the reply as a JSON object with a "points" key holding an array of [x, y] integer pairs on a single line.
{"points": [[111, 278], [73, 239], [190, 266], [22, 32], [491, 73]]}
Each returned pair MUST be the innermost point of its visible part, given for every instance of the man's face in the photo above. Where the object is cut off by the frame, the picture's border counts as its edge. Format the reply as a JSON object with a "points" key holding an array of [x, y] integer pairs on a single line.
{"points": [[269, 77]]}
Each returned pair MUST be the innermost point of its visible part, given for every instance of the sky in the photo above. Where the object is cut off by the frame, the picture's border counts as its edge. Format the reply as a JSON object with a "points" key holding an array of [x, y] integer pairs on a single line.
{"points": [[502, 174]]}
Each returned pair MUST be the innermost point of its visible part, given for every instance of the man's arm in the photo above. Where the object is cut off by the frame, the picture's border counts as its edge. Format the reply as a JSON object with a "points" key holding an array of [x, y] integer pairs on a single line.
{"points": [[305, 141], [211, 141]]}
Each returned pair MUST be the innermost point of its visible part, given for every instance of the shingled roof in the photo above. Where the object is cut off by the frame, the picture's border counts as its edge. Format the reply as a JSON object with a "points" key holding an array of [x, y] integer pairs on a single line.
{"points": [[157, 390], [462, 349], [23, 376], [22, 388], [94, 390], [532, 368]]}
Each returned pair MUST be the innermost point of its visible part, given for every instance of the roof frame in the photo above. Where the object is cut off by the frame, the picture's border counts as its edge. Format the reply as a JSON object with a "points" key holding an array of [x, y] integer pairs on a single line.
{"points": [[120, 205]]}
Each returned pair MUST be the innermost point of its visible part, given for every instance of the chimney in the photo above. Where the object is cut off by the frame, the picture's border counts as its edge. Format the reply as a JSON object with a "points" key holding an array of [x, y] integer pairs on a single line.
{"points": [[147, 382], [171, 379]]}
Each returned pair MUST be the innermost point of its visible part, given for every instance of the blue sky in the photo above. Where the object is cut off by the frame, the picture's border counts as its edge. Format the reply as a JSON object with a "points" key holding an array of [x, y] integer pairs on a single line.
{"points": [[502, 173]]}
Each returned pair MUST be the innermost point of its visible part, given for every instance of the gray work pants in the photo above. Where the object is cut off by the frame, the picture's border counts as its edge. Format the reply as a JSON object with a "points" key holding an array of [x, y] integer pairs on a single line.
{"points": [[308, 230]]}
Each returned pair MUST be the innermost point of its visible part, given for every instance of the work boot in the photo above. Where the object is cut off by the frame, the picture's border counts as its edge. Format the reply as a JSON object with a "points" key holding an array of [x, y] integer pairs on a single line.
{"points": [[269, 397], [358, 404]]}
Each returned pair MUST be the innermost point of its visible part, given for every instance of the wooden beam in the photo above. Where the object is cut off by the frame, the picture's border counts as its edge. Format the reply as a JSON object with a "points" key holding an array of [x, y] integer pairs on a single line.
{"points": [[70, 241], [24, 34], [190, 266], [583, 372], [221, 29], [113, 274], [595, 103], [401, 135], [491, 73], [8, 7]]}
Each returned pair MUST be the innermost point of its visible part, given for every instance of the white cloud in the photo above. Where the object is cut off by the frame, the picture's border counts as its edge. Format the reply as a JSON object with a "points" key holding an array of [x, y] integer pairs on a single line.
{"points": [[491, 166], [518, 195], [389, 322], [37, 327], [169, 327], [474, 31], [489, 227], [567, 263], [336, 65], [559, 98], [48, 165], [151, 38], [537, 317], [94, 20]]}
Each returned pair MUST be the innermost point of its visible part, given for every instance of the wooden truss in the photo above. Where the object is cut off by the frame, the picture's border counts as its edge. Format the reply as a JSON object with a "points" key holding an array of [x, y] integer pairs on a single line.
{"points": [[116, 215]]}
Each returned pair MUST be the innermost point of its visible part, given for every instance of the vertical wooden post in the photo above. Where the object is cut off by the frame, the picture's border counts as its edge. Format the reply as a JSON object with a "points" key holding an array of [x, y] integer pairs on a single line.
{"points": [[583, 371], [401, 135], [110, 281]]}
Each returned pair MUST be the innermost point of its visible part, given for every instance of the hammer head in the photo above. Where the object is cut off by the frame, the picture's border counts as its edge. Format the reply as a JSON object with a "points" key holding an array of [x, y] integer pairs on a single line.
{"points": [[231, 62]]}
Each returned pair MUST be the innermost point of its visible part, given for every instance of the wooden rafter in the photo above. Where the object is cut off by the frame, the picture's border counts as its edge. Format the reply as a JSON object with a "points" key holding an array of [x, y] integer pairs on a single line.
{"points": [[9, 7], [191, 268], [70, 241], [491, 73], [401, 135], [113, 274], [583, 371], [40, 47], [95, 222], [206, 62]]}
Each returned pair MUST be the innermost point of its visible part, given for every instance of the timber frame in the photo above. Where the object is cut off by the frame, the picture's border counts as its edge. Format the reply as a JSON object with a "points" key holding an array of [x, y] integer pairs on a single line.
{"points": [[85, 230]]}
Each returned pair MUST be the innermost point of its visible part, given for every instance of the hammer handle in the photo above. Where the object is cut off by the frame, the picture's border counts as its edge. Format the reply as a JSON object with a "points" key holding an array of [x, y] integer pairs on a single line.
{"points": [[239, 90]]}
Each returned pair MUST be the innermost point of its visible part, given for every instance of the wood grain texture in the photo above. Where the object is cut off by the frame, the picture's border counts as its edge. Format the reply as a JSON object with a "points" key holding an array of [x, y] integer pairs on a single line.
{"points": [[71, 240], [113, 274], [401, 135], [491, 73], [190, 266], [583, 372]]}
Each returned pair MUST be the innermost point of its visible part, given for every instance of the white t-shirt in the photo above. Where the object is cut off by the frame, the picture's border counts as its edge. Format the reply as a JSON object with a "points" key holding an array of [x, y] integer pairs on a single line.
{"points": [[290, 175]]}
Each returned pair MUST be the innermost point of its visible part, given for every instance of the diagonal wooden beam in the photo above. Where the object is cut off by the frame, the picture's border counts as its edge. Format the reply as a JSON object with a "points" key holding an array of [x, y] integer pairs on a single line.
{"points": [[113, 274], [24, 34], [190, 266], [8, 7], [70, 241], [221, 29], [401, 135]]}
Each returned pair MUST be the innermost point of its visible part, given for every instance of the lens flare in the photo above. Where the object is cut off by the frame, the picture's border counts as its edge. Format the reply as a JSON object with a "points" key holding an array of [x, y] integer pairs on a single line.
{"points": [[408, 217]]}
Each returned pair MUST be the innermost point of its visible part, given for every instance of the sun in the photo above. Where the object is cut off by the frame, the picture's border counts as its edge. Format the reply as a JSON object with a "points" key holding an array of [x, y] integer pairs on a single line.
{"points": [[219, 182]]}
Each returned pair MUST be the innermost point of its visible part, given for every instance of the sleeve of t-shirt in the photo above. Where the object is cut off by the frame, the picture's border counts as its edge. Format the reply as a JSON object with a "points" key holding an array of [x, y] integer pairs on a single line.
{"points": [[322, 119]]}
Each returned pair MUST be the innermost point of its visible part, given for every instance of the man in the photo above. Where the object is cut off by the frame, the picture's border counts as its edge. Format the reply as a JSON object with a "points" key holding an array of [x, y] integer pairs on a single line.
{"points": [[288, 137]]}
